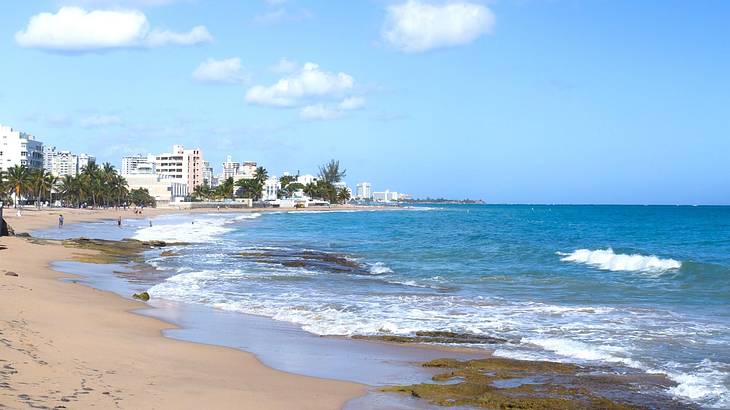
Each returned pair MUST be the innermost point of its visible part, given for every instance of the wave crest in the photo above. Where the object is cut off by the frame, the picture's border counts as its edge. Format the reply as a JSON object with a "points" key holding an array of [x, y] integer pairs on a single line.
{"points": [[606, 259]]}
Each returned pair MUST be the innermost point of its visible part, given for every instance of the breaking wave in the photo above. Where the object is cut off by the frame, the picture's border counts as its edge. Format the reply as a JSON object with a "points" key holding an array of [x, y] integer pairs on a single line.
{"points": [[606, 259]]}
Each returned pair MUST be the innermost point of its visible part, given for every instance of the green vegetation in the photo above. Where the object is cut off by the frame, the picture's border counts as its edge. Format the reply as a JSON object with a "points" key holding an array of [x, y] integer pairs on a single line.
{"points": [[144, 296], [499, 383], [94, 186]]}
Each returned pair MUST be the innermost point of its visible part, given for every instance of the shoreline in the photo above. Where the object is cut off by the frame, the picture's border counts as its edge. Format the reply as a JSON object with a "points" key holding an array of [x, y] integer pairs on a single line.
{"points": [[177, 330], [72, 345]]}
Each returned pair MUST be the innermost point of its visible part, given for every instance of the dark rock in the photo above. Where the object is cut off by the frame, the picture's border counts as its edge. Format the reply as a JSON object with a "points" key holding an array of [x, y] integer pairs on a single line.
{"points": [[11, 274], [144, 296], [23, 235]]}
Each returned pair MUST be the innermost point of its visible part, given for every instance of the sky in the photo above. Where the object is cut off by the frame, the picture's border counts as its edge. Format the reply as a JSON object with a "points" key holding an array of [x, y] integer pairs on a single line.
{"points": [[509, 101]]}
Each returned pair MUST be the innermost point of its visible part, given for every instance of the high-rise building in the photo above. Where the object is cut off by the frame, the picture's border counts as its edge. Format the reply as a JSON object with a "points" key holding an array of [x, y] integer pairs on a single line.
{"points": [[183, 164], [208, 176], [19, 148], [60, 163], [248, 169], [84, 160], [364, 190], [138, 164], [230, 168]]}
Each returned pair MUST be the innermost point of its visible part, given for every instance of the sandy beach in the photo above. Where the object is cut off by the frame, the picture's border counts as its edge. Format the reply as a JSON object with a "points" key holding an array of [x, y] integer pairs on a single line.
{"points": [[65, 345]]}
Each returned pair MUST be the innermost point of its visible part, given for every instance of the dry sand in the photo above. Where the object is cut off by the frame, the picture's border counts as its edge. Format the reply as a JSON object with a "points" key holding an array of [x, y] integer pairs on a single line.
{"points": [[63, 344]]}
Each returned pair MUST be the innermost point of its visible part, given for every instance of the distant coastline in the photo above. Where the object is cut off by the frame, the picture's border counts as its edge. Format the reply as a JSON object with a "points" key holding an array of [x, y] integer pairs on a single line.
{"points": [[444, 201]]}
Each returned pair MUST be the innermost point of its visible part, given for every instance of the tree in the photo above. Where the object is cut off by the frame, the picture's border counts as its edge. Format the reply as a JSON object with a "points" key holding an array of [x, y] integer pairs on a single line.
{"points": [[343, 195], [41, 182], [91, 176], [202, 191], [330, 172], [225, 190], [141, 197], [18, 181], [261, 175]]}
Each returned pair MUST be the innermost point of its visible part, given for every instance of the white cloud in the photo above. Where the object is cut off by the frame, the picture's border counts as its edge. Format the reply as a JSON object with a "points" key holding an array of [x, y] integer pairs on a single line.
{"points": [[319, 112], [284, 66], [101, 120], [310, 82], [74, 29], [330, 112], [415, 26], [197, 35], [282, 15], [119, 3], [352, 103], [228, 70]]}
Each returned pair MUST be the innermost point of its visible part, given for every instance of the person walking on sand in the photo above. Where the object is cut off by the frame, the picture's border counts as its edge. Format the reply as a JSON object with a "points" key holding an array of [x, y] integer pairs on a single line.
{"points": [[60, 221]]}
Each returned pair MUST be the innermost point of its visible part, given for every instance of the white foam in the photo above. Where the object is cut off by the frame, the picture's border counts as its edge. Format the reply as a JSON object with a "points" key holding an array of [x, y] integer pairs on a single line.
{"points": [[379, 268], [583, 351], [177, 228], [706, 384], [608, 260]]}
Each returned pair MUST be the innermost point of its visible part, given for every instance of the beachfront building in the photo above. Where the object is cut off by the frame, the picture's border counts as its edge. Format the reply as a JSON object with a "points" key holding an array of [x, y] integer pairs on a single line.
{"points": [[19, 148], [386, 196], [270, 191], [363, 190], [208, 177], [185, 165], [230, 168], [307, 179], [238, 170], [165, 189], [84, 160], [60, 163], [138, 164], [248, 169]]}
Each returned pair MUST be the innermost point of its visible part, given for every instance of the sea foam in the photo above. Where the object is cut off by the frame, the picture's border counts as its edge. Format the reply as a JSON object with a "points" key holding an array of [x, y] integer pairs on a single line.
{"points": [[608, 260]]}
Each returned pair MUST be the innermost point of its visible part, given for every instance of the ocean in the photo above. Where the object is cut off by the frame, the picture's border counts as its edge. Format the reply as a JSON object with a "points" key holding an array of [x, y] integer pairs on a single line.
{"points": [[641, 287]]}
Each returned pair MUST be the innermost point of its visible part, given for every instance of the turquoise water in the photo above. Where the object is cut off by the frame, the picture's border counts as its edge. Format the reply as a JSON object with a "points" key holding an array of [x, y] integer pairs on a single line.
{"points": [[642, 287]]}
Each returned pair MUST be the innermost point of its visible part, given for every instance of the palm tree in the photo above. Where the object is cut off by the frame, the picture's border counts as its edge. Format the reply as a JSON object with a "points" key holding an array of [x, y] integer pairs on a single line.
{"points": [[343, 195], [330, 172], [91, 178], [261, 175], [18, 180], [42, 182], [226, 188], [118, 188]]}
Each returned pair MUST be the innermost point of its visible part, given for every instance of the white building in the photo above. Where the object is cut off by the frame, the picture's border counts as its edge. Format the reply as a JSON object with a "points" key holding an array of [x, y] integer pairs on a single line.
{"points": [[270, 191], [364, 190], [60, 163], [166, 190], [307, 179], [248, 169], [185, 165], [386, 196], [84, 160], [138, 164], [19, 148], [208, 176], [230, 168]]}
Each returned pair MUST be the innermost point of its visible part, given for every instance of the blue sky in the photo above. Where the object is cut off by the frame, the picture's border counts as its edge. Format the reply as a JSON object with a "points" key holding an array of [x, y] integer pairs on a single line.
{"points": [[508, 101]]}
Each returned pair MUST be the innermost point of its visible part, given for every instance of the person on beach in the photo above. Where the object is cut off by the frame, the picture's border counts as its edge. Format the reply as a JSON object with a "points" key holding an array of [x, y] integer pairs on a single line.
{"points": [[150, 223], [119, 222], [60, 221]]}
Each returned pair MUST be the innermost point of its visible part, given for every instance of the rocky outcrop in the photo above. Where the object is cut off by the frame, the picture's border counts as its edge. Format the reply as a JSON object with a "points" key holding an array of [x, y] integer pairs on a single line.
{"points": [[144, 296]]}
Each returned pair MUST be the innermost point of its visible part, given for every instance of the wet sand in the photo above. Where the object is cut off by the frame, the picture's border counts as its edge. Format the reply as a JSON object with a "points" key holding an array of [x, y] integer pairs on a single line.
{"points": [[67, 345]]}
